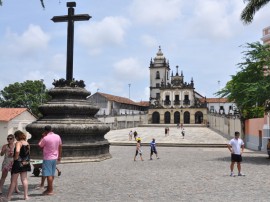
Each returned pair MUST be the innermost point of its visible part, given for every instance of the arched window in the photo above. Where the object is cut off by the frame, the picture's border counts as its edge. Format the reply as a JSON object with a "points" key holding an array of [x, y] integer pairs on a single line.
{"points": [[157, 75]]}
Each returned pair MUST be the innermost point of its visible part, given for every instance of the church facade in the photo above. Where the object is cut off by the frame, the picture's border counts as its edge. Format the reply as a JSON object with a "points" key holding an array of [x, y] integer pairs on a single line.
{"points": [[172, 99]]}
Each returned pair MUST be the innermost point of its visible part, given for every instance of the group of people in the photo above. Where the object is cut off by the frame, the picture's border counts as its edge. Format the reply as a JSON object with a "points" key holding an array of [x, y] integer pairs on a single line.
{"points": [[134, 134], [153, 149], [235, 146], [17, 160]]}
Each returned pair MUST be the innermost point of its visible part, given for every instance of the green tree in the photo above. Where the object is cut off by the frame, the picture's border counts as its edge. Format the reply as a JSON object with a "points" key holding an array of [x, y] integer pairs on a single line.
{"points": [[251, 8], [249, 88], [29, 94]]}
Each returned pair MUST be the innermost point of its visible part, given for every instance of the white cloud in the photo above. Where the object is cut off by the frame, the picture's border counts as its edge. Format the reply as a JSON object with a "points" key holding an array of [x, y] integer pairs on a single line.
{"points": [[149, 41], [109, 85], [97, 35], [93, 87], [32, 41], [57, 62], [155, 12], [146, 93], [129, 69], [214, 19]]}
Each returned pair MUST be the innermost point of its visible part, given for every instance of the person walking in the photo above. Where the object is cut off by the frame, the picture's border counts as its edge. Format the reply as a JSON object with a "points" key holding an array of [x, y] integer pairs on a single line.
{"points": [[268, 148], [236, 147], [182, 131], [153, 149], [135, 135], [21, 164], [130, 135], [138, 150], [51, 145], [8, 151]]}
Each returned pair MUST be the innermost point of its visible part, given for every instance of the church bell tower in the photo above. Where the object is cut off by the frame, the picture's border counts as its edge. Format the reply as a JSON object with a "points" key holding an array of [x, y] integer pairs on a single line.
{"points": [[159, 75]]}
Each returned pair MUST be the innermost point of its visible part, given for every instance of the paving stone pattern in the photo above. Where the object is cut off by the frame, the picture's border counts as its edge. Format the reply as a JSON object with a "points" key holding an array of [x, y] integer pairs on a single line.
{"points": [[195, 135], [181, 174]]}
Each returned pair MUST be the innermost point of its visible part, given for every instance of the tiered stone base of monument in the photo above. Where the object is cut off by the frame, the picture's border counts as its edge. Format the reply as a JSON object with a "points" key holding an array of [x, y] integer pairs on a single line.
{"points": [[72, 117]]}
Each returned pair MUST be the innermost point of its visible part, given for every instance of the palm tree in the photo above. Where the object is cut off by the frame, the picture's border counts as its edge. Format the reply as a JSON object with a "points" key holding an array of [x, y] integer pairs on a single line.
{"points": [[251, 8]]}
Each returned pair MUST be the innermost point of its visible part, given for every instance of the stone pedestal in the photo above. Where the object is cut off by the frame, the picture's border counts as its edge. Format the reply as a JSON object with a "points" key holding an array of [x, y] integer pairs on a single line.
{"points": [[71, 117]]}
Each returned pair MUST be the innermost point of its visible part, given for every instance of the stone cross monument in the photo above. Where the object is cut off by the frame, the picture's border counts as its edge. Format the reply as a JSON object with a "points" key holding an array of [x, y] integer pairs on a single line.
{"points": [[69, 113]]}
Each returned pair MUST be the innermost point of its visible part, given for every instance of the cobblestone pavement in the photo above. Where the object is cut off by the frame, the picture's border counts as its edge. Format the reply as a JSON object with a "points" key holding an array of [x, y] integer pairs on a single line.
{"points": [[181, 174]]}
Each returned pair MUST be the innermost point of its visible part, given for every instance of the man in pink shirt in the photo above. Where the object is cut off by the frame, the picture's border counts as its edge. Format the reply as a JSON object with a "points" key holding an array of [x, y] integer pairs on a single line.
{"points": [[51, 144]]}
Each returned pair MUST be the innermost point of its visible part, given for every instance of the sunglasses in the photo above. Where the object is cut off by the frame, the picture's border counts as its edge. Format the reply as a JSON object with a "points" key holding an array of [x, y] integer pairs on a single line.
{"points": [[9, 138]]}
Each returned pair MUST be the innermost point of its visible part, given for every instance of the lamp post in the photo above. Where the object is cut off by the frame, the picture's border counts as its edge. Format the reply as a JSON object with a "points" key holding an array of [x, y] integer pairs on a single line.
{"points": [[42, 90], [219, 106], [104, 116], [126, 119], [129, 90]]}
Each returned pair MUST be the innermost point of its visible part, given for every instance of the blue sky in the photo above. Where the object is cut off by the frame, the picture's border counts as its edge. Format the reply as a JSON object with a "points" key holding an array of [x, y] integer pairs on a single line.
{"points": [[114, 48]]}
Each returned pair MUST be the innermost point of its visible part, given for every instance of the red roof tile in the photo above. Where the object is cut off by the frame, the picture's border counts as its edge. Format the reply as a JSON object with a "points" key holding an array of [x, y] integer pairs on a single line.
{"points": [[6, 114], [122, 99], [143, 103]]}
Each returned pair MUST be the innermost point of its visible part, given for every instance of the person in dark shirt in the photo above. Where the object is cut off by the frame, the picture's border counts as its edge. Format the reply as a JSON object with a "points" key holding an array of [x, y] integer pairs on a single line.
{"points": [[153, 149]]}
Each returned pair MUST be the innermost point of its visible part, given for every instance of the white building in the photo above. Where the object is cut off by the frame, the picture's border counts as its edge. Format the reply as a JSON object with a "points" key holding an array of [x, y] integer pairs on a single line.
{"points": [[12, 119], [220, 106], [112, 105], [173, 100]]}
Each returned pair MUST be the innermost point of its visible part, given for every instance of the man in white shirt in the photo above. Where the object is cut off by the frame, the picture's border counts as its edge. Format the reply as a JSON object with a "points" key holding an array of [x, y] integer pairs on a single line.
{"points": [[236, 147]]}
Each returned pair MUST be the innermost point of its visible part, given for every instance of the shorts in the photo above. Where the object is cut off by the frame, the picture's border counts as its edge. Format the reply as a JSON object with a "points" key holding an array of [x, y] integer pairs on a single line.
{"points": [[138, 152], [153, 151], [236, 158], [48, 167]]}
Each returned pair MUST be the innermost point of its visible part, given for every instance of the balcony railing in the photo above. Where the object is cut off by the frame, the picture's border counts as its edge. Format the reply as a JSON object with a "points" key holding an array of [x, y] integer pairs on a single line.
{"points": [[176, 102], [167, 102], [186, 102]]}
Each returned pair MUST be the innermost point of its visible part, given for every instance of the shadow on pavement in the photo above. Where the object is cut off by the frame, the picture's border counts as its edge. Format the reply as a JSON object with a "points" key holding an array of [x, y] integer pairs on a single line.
{"points": [[257, 160]]}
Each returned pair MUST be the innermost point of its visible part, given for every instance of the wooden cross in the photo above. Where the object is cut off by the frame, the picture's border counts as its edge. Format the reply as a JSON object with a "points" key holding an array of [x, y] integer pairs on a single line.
{"points": [[70, 18]]}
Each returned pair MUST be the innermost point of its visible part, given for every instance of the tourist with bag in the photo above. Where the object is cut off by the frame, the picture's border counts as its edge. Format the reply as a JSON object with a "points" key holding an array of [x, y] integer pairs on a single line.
{"points": [[138, 150], [8, 151], [21, 164]]}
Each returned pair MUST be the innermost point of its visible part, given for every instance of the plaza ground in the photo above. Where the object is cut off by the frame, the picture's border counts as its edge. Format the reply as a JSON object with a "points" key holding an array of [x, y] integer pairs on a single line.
{"points": [[181, 174]]}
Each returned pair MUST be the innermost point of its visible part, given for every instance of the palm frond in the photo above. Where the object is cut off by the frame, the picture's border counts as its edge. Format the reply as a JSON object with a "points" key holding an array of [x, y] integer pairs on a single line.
{"points": [[42, 3], [251, 8]]}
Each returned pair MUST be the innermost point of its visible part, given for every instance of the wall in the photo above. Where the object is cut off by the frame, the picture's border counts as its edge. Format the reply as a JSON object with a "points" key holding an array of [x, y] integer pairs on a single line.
{"points": [[225, 124], [124, 121], [254, 133], [255, 136]]}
